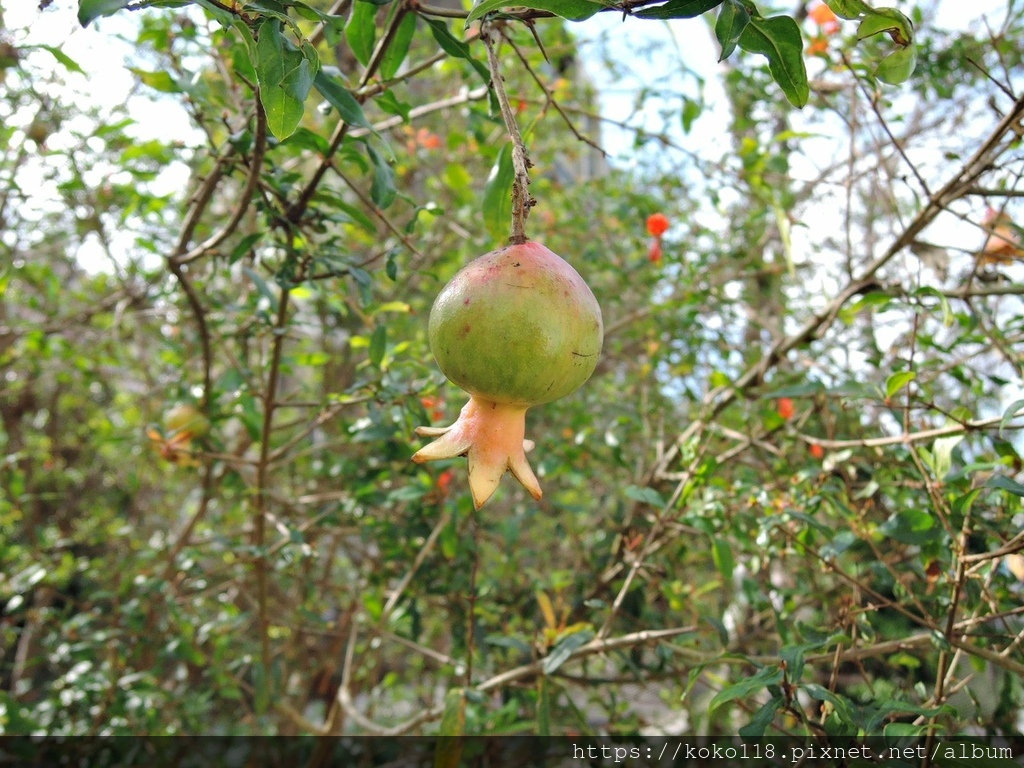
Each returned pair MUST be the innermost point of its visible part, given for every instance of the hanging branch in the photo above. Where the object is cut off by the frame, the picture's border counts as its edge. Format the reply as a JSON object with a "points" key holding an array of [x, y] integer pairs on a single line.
{"points": [[521, 200]]}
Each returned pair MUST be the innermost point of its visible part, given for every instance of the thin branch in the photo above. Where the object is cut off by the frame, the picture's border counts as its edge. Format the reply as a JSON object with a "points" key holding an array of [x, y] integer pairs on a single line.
{"points": [[550, 97], [908, 437], [376, 211], [521, 200], [244, 200]]}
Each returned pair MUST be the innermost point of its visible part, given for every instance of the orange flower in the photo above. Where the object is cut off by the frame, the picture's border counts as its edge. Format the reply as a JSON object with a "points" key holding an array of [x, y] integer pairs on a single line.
{"points": [[444, 480], [1003, 243], [428, 140], [786, 408], [817, 451], [435, 405], [657, 224], [818, 47], [823, 16]]}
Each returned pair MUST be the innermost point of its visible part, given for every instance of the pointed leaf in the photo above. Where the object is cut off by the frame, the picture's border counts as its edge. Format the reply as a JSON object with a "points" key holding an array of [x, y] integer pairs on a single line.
{"points": [[762, 719], [747, 688], [721, 555], [1003, 483], [1015, 408], [328, 82], [898, 66], [399, 48], [543, 706], [678, 9], [455, 47], [276, 60], [848, 9], [66, 61], [378, 344], [564, 650], [547, 610], [732, 20], [644, 495], [361, 31], [497, 201], [778, 39], [890, 21], [898, 381], [448, 752], [573, 10], [382, 190], [94, 9]]}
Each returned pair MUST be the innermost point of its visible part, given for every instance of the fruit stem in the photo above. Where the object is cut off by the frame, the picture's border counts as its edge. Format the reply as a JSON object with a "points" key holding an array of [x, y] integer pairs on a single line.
{"points": [[521, 199]]}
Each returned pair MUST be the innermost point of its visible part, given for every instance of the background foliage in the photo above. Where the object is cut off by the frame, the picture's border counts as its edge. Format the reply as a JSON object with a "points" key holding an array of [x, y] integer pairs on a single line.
{"points": [[788, 500]]}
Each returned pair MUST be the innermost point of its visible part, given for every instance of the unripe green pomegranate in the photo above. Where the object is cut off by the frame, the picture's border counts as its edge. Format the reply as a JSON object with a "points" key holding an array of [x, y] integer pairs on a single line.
{"points": [[516, 327], [185, 422]]}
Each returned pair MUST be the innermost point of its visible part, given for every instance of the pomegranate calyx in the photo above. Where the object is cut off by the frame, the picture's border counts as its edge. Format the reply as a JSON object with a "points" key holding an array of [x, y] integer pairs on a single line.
{"points": [[492, 436]]}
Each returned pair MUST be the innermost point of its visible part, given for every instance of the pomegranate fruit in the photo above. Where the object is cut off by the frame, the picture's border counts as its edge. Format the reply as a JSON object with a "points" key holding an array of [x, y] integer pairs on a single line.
{"points": [[515, 328], [185, 421]]}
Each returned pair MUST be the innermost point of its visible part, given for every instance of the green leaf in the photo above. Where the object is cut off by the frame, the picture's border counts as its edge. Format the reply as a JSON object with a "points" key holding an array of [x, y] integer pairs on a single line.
{"points": [[910, 526], [298, 82], [361, 31], [678, 9], [382, 190], [895, 706], [378, 344], [848, 9], [561, 652], [390, 104], [497, 201], [278, 61], [898, 66], [307, 139], [721, 555], [328, 82], [843, 707], [890, 21], [905, 730], [947, 312], [244, 247], [732, 20], [778, 39], [448, 752], [543, 706], [270, 9], [573, 10], [399, 48], [691, 111], [762, 719], [746, 688], [1016, 408], [62, 58], [1003, 483], [644, 495], [942, 451], [898, 381], [455, 47], [158, 81], [94, 9]]}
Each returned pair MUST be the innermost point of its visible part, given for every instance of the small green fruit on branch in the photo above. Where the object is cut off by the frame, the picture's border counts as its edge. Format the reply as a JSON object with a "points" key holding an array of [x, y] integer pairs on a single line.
{"points": [[515, 328]]}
